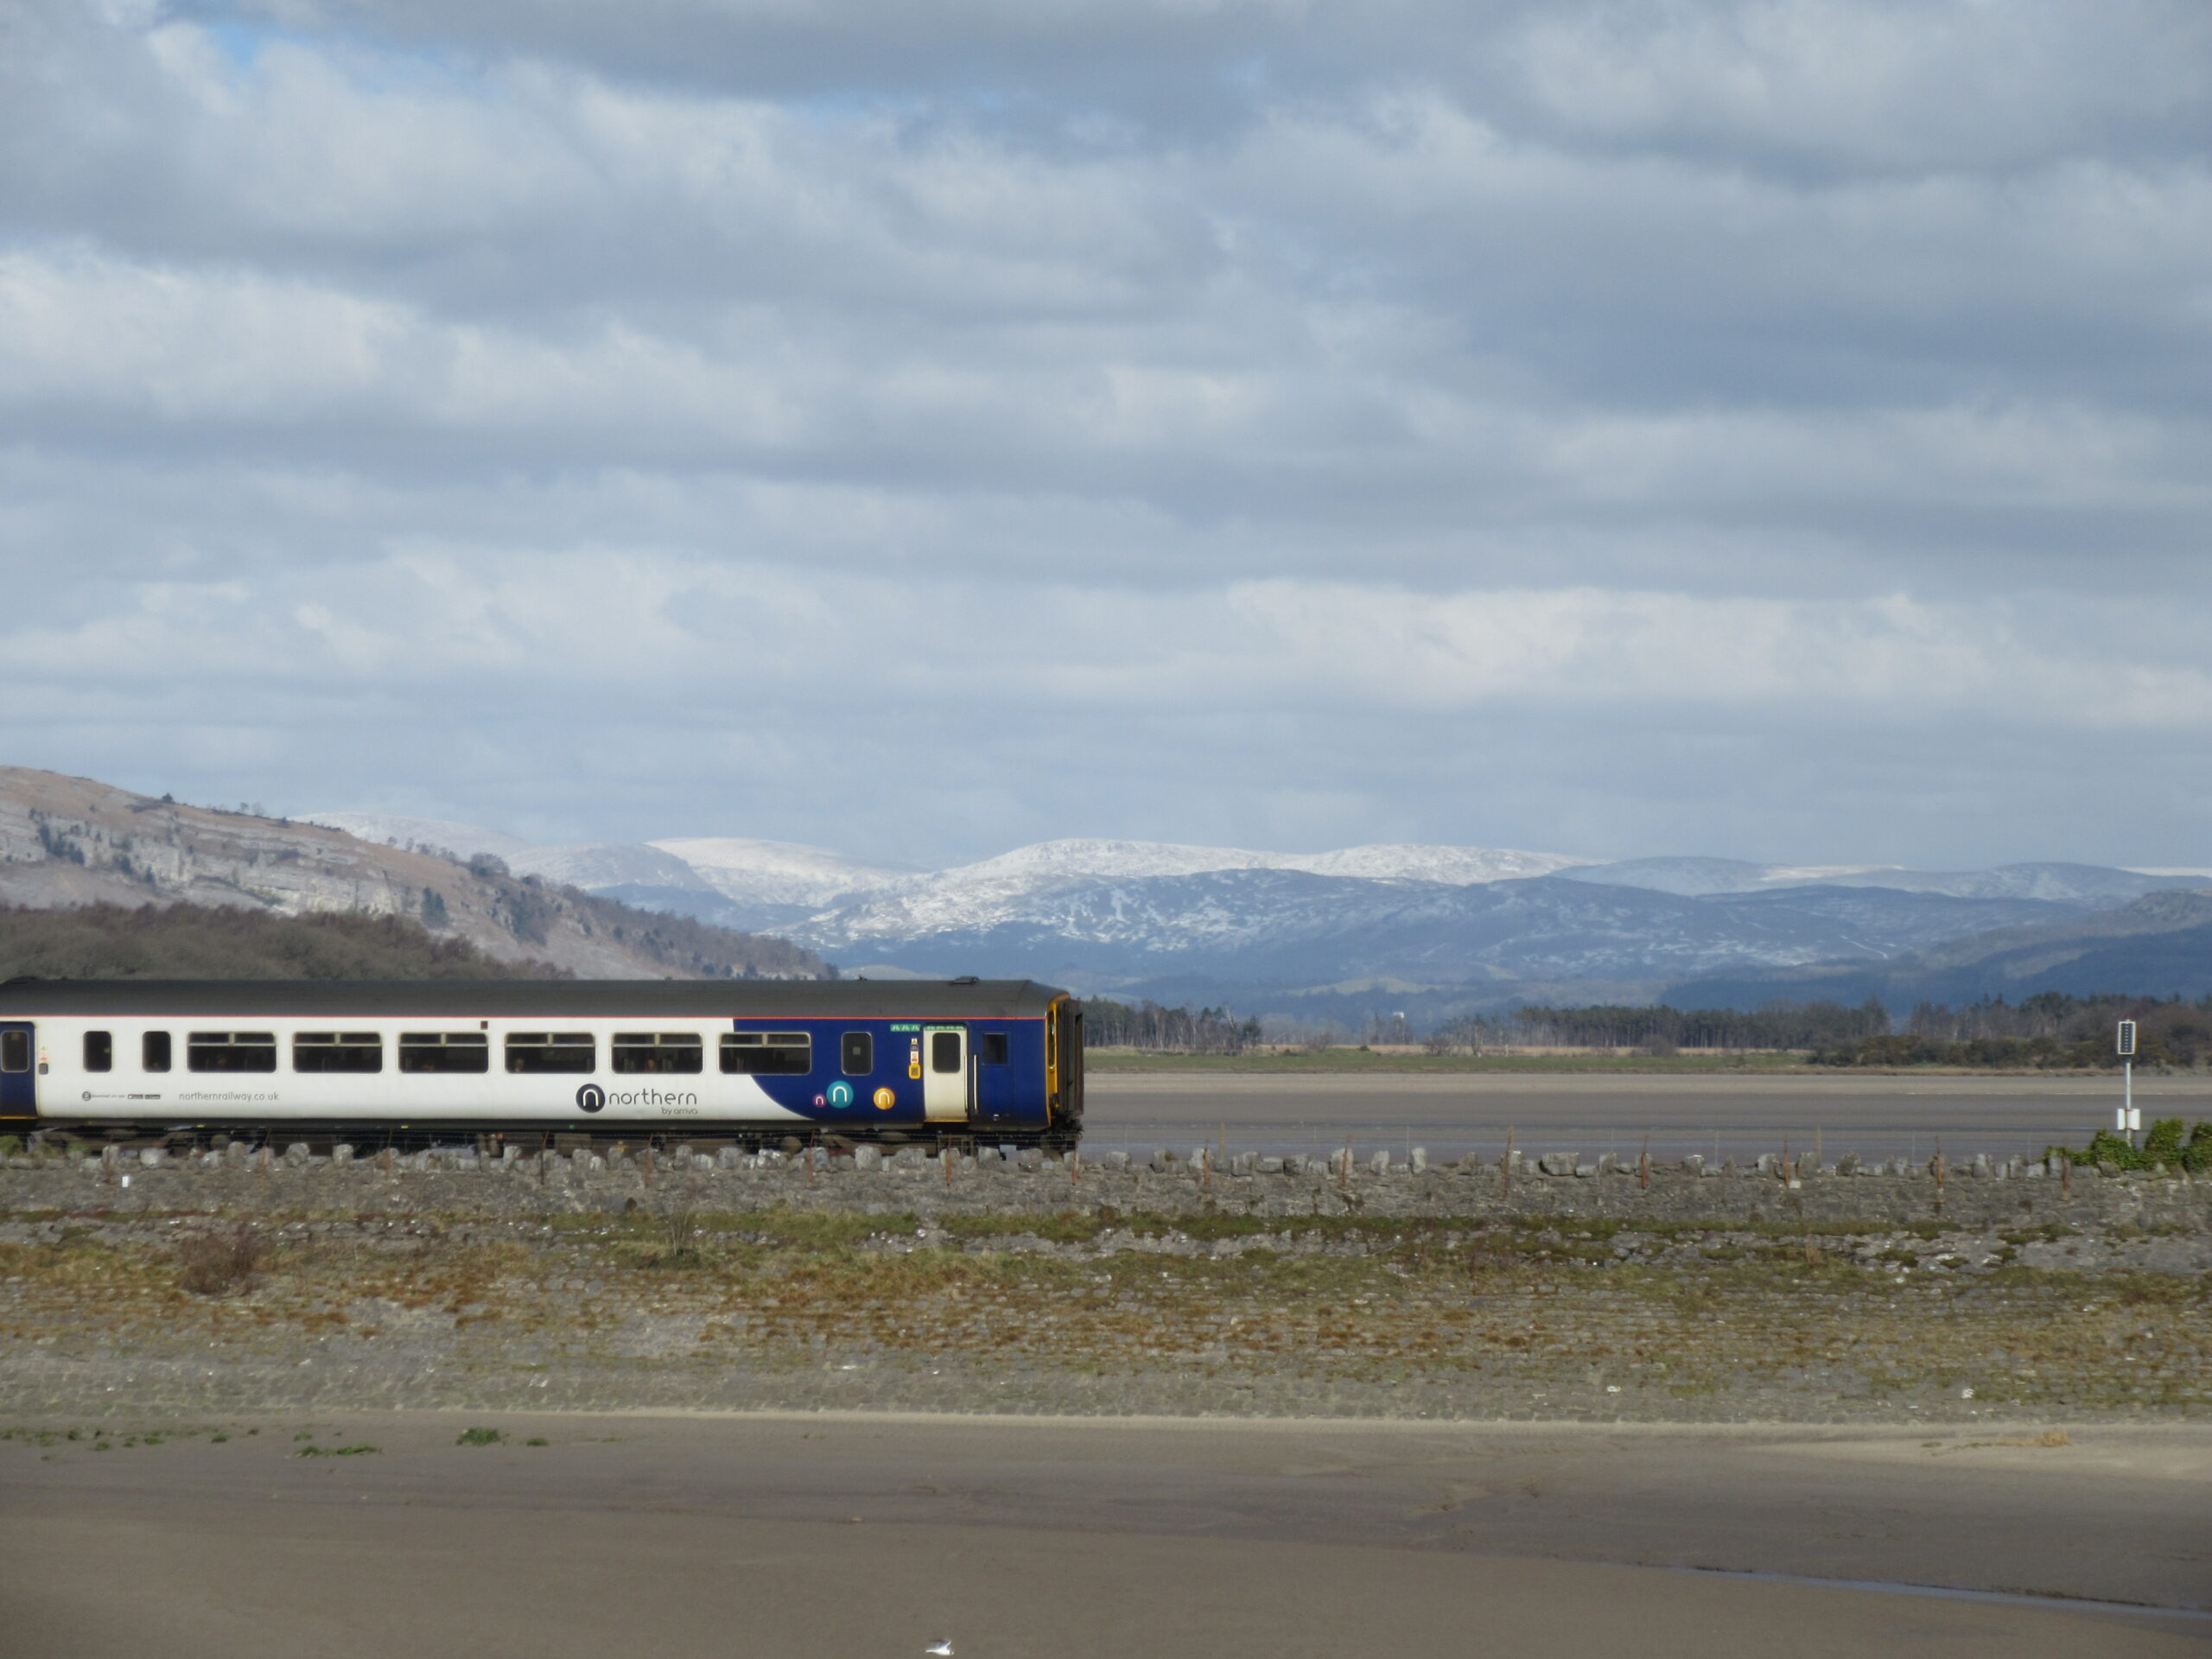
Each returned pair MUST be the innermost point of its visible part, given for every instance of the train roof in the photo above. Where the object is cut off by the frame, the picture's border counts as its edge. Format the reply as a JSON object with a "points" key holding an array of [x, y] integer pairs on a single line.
{"points": [[575, 998]]}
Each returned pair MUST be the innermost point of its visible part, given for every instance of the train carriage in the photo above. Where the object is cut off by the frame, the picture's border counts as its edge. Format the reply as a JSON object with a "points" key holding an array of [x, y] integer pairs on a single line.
{"points": [[743, 1059]]}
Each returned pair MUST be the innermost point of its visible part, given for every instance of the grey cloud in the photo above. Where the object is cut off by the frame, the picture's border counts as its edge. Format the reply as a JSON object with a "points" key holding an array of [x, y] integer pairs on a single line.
{"points": [[1775, 430]]}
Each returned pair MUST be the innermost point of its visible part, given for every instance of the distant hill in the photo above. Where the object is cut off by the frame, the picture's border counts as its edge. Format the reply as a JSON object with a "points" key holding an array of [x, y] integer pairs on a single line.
{"points": [[210, 941], [70, 841], [1293, 927], [2160, 945]]}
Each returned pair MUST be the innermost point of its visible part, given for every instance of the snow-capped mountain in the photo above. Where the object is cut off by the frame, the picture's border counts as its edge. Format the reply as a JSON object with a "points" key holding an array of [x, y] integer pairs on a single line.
{"points": [[604, 865], [422, 834], [1099, 914], [2060, 883], [1010, 887], [782, 872], [1281, 926]]}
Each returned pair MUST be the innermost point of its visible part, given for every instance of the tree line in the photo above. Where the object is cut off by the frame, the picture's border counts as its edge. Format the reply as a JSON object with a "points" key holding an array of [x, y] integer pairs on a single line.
{"points": [[2050, 1030], [1147, 1026], [1659, 1029]]}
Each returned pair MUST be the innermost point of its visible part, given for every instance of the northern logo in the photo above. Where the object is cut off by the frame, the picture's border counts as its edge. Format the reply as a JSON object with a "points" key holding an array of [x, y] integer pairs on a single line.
{"points": [[591, 1097]]}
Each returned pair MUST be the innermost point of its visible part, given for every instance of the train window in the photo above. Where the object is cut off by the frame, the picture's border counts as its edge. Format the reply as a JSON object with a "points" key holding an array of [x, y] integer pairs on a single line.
{"points": [[778, 1053], [658, 1050], [856, 1053], [944, 1051], [153, 1052], [99, 1050], [992, 1047], [231, 1051], [337, 1050], [15, 1050], [552, 1051], [444, 1050]]}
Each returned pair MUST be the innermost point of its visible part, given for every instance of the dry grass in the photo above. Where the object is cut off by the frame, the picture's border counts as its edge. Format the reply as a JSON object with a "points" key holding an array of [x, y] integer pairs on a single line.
{"points": [[1529, 1307]]}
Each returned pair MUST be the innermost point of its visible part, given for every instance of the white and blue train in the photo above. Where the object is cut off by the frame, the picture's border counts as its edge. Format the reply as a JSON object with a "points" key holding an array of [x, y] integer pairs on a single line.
{"points": [[746, 1061]]}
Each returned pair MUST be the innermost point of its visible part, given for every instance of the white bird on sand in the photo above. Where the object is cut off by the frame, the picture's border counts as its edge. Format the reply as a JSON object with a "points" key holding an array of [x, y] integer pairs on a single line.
{"points": [[942, 1649]]}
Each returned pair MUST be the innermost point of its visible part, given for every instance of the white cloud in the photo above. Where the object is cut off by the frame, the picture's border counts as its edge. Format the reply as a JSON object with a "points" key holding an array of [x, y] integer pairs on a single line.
{"points": [[1298, 422]]}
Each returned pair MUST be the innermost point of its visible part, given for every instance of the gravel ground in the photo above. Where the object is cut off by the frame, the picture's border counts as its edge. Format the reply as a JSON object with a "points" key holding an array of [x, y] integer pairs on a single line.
{"points": [[1440, 1294]]}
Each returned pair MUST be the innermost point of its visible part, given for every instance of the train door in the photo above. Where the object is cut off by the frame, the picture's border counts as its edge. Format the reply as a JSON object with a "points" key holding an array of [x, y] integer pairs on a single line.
{"points": [[18, 1085], [945, 1074]]}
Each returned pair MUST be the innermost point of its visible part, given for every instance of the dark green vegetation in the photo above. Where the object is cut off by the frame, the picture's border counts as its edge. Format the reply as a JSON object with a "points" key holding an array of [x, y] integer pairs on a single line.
{"points": [[2165, 1145], [207, 941]]}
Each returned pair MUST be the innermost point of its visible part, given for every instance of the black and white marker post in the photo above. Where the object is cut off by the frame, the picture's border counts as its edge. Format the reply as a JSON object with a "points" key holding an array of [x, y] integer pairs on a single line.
{"points": [[2130, 1119]]}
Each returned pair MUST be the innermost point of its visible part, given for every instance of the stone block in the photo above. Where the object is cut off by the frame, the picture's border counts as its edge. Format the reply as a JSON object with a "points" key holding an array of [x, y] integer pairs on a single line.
{"points": [[729, 1157], [703, 1163], [1556, 1163], [1380, 1163], [1115, 1160], [867, 1158], [1695, 1164], [236, 1152], [1417, 1161], [1162, 1160], [1770, 1163], [1030, 1160], [1271, 1166], [1296, 1164], [342, 1153]]}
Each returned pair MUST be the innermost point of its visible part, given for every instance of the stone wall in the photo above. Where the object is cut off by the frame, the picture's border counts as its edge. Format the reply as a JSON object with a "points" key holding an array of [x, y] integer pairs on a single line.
{"points": [[1975, 1194]]}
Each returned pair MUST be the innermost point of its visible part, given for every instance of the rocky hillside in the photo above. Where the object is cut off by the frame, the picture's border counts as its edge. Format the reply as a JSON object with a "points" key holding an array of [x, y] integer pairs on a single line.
{"points": [[71, 841], [229, 942]]}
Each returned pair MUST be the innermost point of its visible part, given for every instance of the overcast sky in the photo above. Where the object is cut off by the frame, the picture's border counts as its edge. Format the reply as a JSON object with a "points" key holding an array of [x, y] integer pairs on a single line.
{"points": [[1774, 430]]}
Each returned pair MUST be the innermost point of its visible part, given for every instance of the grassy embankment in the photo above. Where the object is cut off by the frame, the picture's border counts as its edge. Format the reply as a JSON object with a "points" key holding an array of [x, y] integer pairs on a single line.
{"points": [[1527, 1309]]}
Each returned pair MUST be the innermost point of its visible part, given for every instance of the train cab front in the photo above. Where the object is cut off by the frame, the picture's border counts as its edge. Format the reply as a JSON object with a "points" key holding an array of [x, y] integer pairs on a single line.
{"points": [[18, 1076]]}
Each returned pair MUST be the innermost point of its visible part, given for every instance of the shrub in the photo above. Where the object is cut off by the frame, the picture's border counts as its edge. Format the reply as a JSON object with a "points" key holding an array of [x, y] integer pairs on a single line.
{"points": [[479, 1437], [679, 1240], [214, 1264], [2163, 1144]]}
